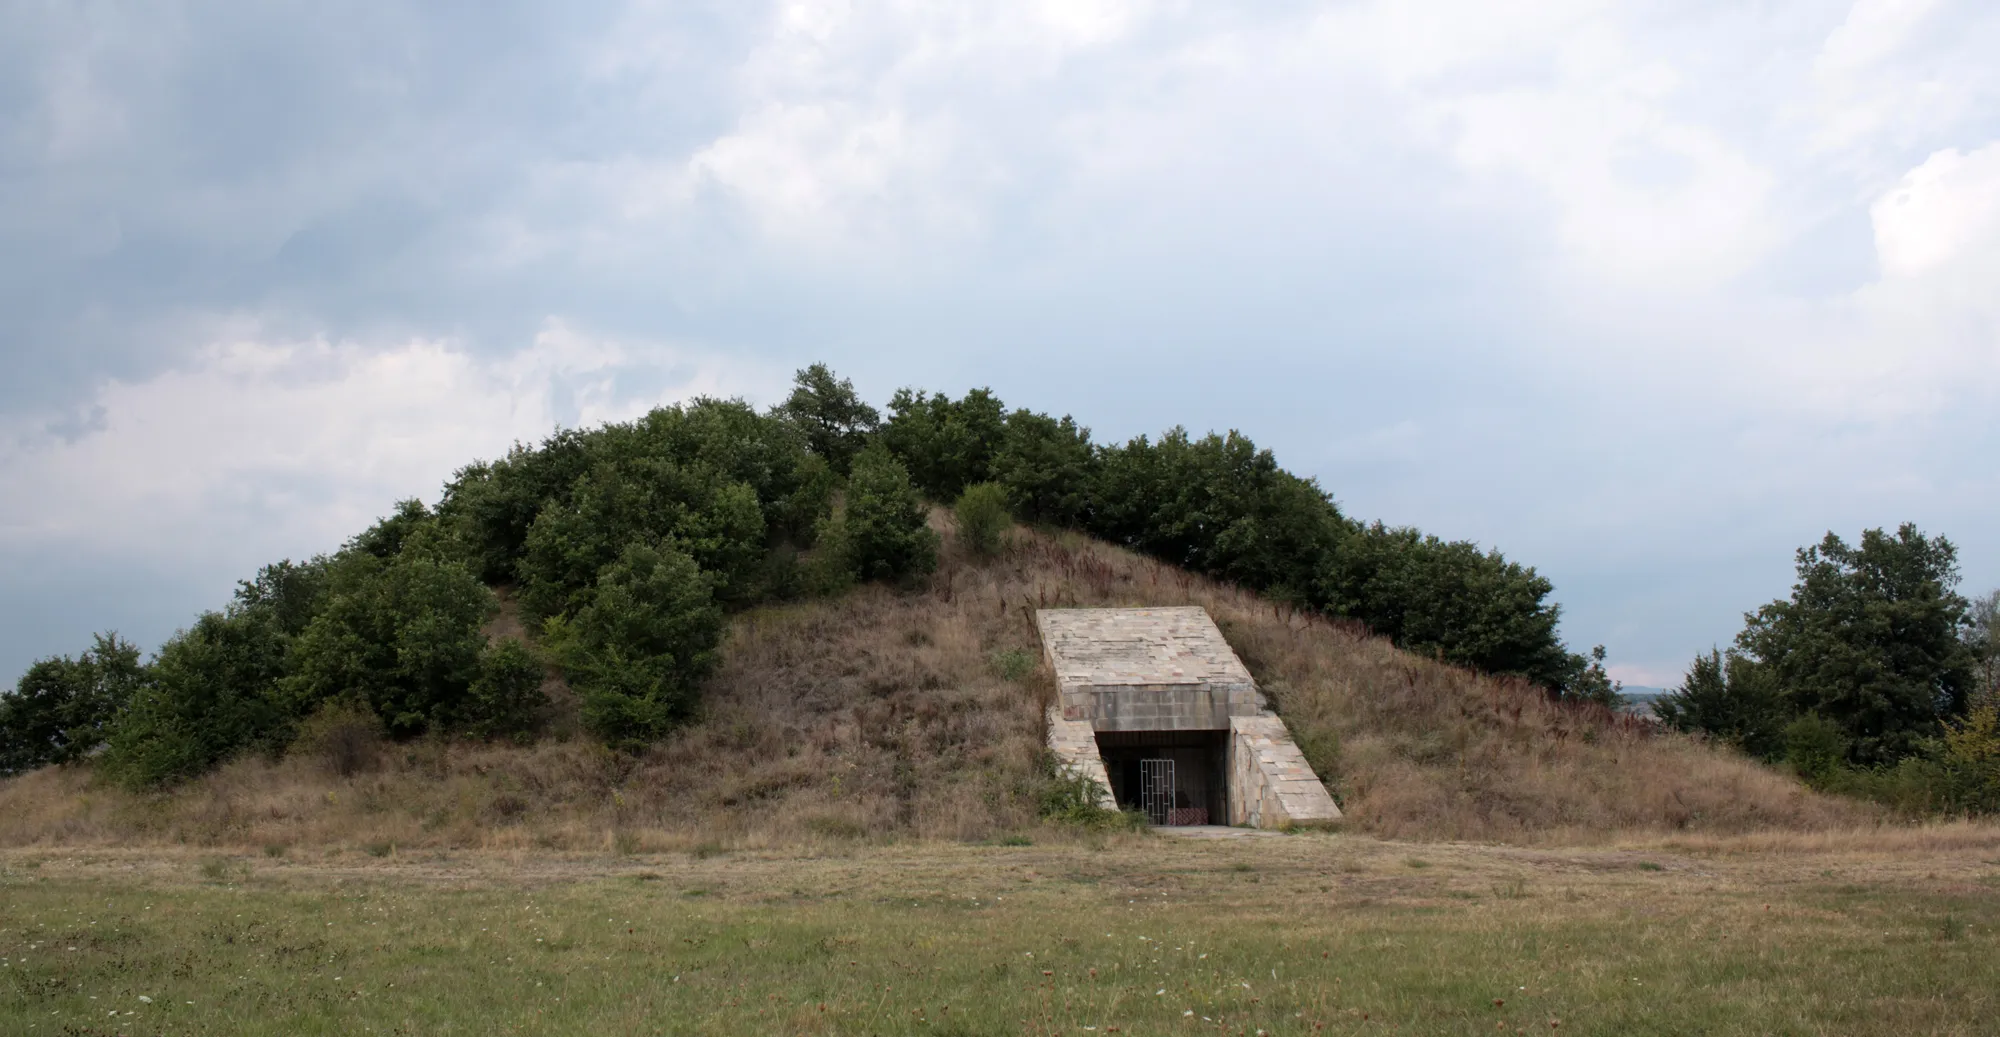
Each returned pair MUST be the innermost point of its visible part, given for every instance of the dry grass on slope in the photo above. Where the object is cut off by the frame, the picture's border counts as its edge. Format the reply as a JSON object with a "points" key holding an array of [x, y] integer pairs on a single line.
{"points": [[1416, 749], [918, 714]]}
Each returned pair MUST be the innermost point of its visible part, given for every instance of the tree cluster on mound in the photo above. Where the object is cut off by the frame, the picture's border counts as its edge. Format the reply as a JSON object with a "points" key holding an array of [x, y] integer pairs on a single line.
{"points": [[625, 546], [1875, 677]]}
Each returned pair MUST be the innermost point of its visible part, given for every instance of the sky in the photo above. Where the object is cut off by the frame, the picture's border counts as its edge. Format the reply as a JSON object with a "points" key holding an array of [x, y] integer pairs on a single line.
{"points": [[1646, 295]]}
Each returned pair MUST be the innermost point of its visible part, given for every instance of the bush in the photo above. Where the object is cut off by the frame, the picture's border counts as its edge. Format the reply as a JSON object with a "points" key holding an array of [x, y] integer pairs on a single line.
{"points": [[506, 699], [1065, 797], [946, 445], [1730, 697], [344, 735], [829, 569], [638, 652], [887, 537], [1815, 748], [1470, 607], [401, 635], [982, 518]]}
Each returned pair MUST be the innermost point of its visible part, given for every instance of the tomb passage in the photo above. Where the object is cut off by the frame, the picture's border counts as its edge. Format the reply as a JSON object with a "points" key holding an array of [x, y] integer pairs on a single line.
{"points": [[1154, 706]]}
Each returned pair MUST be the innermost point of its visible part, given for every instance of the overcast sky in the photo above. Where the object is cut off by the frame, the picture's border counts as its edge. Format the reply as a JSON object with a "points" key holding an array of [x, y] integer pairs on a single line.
{"points": [[1646, 295]]}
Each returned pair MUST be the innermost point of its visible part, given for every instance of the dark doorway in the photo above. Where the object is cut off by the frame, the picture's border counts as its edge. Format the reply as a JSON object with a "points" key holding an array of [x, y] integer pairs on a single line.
{"points": [[1176, 777]]}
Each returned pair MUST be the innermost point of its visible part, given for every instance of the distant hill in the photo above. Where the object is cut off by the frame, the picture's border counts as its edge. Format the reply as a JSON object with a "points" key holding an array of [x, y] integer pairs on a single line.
{"points": [[1638, 699]]}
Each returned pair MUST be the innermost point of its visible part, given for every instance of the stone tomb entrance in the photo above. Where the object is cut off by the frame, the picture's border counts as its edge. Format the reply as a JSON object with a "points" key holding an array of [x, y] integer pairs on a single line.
{"points": [[1154, 706], [1174, 777]]}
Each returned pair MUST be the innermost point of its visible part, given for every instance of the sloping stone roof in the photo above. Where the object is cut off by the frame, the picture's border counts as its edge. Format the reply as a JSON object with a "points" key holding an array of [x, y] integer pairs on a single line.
{"points": [[1103, 648]]}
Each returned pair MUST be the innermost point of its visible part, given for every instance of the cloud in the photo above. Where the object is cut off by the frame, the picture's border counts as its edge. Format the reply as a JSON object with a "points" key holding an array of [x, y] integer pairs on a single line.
{"points": [[258, 448], [1646, 295], [1945, 214]]}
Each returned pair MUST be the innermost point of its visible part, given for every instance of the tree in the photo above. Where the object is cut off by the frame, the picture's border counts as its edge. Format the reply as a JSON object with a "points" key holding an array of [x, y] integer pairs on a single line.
{"points": [[1870, 640], [887, 537], [1449, 598], [1729, 697], [1049, 469], [62, 708], [212, 693], [835, 420], [505, 699], [639, 651], [1591, 683], [402, 636], [945, 444], [982, 518]]}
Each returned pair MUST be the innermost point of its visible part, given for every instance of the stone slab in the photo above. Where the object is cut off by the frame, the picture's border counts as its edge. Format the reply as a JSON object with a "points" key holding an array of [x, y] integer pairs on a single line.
{"points": [[1075, 746], [1159, 669], [1270, 783]]}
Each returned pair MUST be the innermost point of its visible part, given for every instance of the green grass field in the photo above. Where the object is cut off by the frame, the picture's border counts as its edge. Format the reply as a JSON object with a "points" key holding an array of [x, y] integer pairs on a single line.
{"points": [[1303, 934]]}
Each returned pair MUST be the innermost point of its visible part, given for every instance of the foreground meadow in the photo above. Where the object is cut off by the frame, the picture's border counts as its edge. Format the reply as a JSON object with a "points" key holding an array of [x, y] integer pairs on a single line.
{"points": [[1890, 932]]}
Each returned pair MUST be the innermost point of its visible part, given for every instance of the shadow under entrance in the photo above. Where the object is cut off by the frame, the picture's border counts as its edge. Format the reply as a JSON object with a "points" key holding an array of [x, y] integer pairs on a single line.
{"points": [[1174, 777]]}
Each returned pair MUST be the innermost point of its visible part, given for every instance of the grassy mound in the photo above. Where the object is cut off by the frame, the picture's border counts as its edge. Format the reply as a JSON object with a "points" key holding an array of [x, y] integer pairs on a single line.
{"points": [[883, 714]]}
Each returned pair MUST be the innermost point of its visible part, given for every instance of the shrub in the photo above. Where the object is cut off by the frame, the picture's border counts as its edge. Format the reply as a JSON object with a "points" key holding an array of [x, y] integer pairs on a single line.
{"points": [[982, 518], [1014, 664], [829, 569], [344, 735], [506, 699], [638, 652], [1815, 748], [946, 445], [401, 635], [1728, 696], [887, 538], [1068, 798]]}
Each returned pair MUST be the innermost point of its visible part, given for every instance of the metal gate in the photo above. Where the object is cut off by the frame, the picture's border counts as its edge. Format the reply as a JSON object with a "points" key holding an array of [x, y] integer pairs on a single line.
{"points": [[1156, 789]]}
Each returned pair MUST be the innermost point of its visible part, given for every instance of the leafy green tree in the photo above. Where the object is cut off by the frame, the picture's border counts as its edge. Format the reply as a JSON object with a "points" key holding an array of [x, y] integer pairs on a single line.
{"points": [[385, 538], [1870, 640], [1049, 469], [491, 505], [886, 533], [634, 480], [1729, 697], [505, 699], [1971, 759], [401, 635], [291, 592], [1448, 598], [1591, 683], [639, 650], [945, 444], [62, 708], [212, 693], [834, 418], [982, 518]]}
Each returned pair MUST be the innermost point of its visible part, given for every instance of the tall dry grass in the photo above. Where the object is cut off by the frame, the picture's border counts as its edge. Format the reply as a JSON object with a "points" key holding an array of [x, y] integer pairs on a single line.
{"points": [[917, 714]]}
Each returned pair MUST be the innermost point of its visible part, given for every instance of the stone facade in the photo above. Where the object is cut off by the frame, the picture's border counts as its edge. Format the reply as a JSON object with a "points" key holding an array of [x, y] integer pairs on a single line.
{"points": [[1169, 670], [1270, 783], [1165, 669], [1075, 746]]}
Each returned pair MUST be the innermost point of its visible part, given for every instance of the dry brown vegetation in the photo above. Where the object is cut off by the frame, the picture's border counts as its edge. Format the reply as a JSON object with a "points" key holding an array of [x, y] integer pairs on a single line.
{"points": [[885, 713]]}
